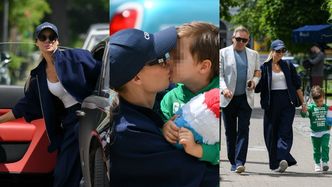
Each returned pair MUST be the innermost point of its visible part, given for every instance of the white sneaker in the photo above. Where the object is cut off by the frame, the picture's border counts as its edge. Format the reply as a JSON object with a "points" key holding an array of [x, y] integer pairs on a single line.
{"points": [[240, 169], [317, 168], [283, 165], [325, 166]]}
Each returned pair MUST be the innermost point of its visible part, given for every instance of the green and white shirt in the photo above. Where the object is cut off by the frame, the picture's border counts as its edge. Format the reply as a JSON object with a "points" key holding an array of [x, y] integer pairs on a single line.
{"points": [[317, 116], [175, 99]]}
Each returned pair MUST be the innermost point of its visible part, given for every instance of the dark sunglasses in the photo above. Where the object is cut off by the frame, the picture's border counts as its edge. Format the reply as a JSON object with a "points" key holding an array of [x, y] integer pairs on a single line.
{"points": [[160, 61], [43, 37], [283, 50], [243, 40]]}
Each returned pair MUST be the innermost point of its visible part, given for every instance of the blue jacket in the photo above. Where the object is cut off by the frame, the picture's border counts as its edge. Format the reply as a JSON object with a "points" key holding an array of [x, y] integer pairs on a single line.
{"points": [[264, 86], [78, 73], [140, 156]]}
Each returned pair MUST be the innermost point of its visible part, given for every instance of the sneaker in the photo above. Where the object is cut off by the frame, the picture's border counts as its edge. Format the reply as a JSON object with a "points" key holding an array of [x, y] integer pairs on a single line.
{"points": [[283, 165], [317, 168], [233, 168], [240, 169], [325, 166]]}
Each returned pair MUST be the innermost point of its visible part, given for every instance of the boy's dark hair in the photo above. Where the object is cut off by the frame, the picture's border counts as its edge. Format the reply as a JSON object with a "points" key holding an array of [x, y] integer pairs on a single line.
{"points": [[317, 92], [206, 42]]}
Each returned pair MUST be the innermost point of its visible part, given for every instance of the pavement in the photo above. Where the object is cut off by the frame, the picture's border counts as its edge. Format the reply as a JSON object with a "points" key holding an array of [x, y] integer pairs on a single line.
{"points": [[257, 169]]}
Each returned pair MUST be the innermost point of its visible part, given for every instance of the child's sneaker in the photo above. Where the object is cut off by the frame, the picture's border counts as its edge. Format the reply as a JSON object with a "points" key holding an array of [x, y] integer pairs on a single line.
{"points": [[317, 168], [325, 166]]}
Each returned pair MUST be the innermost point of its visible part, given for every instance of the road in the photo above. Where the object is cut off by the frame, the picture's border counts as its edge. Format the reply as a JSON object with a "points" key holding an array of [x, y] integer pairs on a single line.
{"points": [[257, 170]]}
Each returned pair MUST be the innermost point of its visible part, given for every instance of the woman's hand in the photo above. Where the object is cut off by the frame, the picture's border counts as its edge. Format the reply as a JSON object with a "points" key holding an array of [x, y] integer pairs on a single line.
{"points": [[186, 138], [7, 117], [171, 131], [304, 108]]}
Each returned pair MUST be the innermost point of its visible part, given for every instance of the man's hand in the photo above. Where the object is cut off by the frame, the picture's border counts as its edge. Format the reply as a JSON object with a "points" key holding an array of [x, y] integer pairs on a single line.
{"points": [[171, 131], [227, 93], [251, 85]]}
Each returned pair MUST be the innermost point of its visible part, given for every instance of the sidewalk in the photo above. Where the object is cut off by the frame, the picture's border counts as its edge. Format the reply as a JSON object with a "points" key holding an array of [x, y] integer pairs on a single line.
{"points": [[257, 170]]}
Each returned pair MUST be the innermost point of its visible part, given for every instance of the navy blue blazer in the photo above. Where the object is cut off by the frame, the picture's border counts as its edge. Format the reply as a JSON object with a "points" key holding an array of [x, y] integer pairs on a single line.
{"points": [[140, 155], [78, 72], [293, 81]]}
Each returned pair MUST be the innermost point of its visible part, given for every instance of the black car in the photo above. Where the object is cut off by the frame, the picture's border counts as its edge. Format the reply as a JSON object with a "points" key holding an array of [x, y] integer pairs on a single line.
{"points": [[95, 125]]}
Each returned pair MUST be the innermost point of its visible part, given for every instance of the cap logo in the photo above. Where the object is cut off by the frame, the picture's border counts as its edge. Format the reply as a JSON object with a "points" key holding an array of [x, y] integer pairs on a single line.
{"points": [[146, 36]]}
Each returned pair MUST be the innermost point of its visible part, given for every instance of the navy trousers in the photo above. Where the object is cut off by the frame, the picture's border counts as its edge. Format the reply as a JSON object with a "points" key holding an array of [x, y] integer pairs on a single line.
{"points": [[237, 120], [278, 128], [67, 172]]}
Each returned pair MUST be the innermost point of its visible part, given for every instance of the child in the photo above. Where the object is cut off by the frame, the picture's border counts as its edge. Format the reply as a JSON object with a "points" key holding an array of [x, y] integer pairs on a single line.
{"points": [[195, 67], [320, 133]]}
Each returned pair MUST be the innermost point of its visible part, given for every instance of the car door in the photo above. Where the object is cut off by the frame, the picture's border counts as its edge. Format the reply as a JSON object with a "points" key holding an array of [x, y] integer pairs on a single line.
{"points": [[23, 146], [95, 131]]}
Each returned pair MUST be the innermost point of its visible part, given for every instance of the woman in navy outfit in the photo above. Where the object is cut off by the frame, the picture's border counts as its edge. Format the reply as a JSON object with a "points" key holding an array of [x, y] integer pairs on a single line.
{"points": [[140, 155], [54, 91], [280, 88]]}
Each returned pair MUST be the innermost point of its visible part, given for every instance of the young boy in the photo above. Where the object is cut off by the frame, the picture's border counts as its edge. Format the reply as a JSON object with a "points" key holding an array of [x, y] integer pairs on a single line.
{"points": [[320, 131], [195, 67]]}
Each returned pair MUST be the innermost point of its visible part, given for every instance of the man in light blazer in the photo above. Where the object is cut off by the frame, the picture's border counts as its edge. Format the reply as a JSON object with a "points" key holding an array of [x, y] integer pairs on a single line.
{"points": [[239, 74]]}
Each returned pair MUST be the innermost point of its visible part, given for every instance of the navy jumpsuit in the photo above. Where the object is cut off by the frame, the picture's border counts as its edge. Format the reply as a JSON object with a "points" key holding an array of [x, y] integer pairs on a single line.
{"points": [[279, 112], [78, 73]]}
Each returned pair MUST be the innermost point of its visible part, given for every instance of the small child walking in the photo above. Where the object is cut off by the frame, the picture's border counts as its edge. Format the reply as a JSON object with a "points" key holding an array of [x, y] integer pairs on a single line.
{"points": [[320, 130]]}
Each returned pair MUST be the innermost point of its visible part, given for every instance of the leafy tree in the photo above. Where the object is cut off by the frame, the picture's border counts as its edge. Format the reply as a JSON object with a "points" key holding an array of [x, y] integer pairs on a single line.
{"points": [[96, 11], [329, 8], [224, 8], [277, 18], [24, 16]]}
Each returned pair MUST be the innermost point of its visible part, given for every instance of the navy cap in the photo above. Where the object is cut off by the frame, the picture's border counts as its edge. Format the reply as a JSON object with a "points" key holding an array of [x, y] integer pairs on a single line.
{"points": [[46, 25], [277, 44], [131, 49]]}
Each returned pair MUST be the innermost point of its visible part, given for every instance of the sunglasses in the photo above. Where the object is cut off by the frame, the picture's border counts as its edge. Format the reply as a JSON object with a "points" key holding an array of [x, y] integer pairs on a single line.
{"points": [[283, 50], [160, 61], [243, 40], [43, 37]]}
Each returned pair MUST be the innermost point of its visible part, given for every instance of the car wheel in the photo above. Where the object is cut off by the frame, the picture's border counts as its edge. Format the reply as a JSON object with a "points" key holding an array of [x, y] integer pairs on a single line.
{"points": [[100, 177]]}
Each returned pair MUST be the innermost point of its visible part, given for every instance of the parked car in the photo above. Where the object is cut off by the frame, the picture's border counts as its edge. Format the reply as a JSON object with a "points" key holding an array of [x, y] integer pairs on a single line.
{"points": [[154, 15], [95, 125], [291, 59], [4, 72], [96, 33]]}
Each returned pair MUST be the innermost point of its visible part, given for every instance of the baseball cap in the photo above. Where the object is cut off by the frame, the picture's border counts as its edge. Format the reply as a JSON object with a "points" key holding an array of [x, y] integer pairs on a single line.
{"points": [[131, 49], [46, 25], [277, 44]]}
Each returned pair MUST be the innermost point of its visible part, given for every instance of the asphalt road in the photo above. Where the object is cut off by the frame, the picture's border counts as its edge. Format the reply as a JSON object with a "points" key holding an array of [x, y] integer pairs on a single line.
{"points": [[257, 170]]}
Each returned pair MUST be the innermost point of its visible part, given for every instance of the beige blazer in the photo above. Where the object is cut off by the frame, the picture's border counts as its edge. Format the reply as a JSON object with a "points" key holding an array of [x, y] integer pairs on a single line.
{"points": [[228, 73]]}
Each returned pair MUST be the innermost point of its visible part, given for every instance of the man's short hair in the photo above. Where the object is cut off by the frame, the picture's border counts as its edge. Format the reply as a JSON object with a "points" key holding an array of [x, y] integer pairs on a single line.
{"points": [[240, 29]]}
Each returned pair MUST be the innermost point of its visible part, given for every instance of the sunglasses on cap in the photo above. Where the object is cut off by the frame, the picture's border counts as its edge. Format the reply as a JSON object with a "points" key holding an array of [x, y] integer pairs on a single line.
{"points": [[283, 50], [243, 40], [51, 37], [160, 61]]}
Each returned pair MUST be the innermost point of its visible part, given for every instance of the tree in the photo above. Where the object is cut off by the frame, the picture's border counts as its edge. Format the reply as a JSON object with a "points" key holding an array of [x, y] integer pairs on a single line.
{"points": [[277, 18], [224, 8], [74, 18], [329, 8], [24, 16]]}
